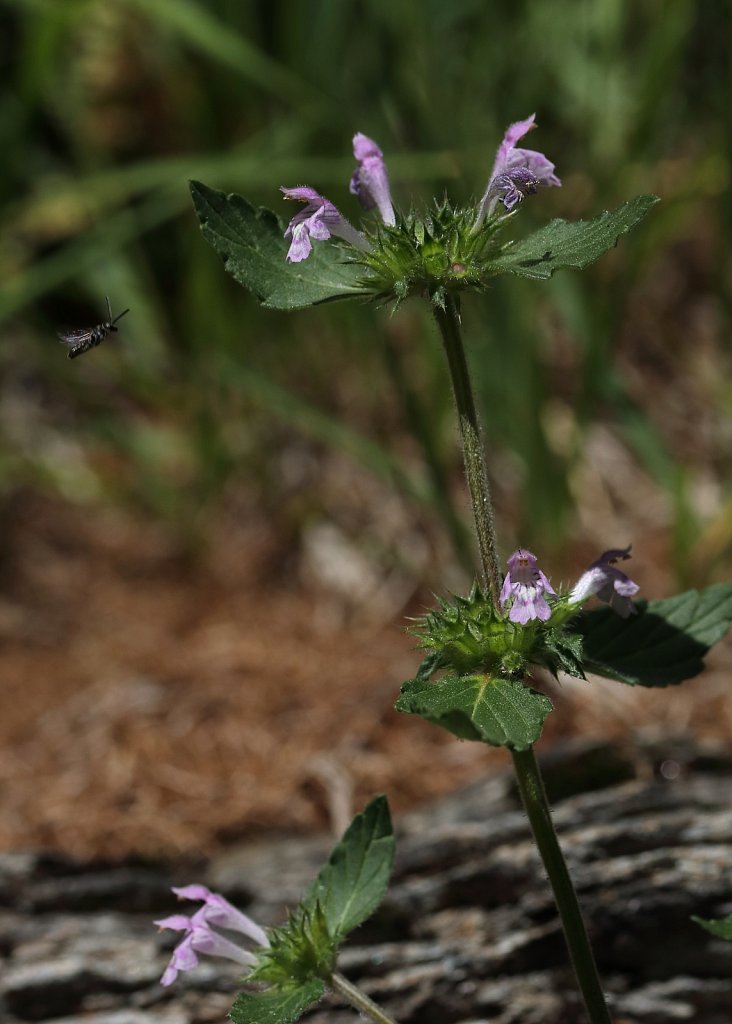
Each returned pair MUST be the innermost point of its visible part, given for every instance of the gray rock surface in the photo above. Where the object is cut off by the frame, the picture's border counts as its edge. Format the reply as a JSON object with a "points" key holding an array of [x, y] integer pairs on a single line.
{"points": [[468, 932]]}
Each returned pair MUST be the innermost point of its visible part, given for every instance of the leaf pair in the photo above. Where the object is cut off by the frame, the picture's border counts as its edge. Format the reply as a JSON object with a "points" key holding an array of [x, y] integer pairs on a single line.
{"points": [[662, 645], [253, 248]]}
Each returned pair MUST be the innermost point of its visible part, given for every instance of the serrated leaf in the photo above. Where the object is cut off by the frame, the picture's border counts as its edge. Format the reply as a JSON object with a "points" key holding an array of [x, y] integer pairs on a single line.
{"points": [[562, 651], [501, 712], [282, 1005], [664, 644], [353, 882], [253, 248], [720, 926], [563, 244]]}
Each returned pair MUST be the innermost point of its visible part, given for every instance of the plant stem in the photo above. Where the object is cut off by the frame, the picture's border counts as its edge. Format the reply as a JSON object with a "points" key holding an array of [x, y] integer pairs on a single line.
{"points": [[535, 801], [423, 431], [448, 320], [357, 998], [527, 770]]}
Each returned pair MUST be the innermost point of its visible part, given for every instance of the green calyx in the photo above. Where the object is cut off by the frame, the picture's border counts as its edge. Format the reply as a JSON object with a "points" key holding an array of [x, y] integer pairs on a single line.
{"points": [[467, 635], [431, 254], [299, 950]]}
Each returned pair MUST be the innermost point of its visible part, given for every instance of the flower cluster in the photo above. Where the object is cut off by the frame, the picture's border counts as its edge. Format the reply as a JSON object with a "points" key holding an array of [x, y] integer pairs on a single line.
{"points": [[200, 935], [516, 173], [525, 585]]}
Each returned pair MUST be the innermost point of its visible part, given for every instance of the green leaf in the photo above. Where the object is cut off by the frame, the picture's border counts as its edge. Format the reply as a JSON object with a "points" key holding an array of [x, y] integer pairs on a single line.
{"points": [[563, 244], [353, 882], [664, 644], [502, 712], [720, 926], [561, 651], [253, 248], [277, 1005]]}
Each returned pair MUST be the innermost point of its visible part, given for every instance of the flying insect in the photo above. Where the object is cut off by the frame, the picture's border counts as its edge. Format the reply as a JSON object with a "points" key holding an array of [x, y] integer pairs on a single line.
{"points": [[81, 339]]}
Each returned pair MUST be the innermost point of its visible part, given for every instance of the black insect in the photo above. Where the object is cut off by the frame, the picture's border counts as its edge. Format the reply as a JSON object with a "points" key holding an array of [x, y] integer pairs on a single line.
{"points": [[82, 339]]}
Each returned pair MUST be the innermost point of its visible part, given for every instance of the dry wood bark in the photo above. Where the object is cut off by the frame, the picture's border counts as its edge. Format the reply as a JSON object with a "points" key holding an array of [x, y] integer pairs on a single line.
{"points": [[468, 932]]}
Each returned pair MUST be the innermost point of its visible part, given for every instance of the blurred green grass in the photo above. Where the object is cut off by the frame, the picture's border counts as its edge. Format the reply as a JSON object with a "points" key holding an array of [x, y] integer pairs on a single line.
{"points": [[108, 108]]}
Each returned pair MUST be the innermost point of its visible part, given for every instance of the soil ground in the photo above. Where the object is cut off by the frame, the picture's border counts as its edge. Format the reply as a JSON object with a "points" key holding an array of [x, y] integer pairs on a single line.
{"points": [[162, 705]]}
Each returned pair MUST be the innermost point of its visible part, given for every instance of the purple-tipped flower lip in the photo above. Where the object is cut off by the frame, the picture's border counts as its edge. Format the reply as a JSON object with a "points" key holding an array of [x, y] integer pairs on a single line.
{"points": [[516, 173], [512, 187], [609, 583], [613, 555], [370, 180]]}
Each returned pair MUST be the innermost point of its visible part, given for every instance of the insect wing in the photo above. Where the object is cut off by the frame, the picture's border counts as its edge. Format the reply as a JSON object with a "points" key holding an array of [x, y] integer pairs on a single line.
{"points": [[75, 336]]}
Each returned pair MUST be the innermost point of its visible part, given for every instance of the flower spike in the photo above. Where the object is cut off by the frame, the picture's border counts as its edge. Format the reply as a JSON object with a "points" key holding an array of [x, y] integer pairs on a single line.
{"points": [[370, 181], [319, 220], [516, 172], [611, 585], [525, 585]]}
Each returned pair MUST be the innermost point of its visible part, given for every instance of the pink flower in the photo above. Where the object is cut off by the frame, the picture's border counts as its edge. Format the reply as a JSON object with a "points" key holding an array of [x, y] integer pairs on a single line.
{"points": [[370, 181], [525, 585], [516, 172], [319, 220], [200, 937], [610, 584]]}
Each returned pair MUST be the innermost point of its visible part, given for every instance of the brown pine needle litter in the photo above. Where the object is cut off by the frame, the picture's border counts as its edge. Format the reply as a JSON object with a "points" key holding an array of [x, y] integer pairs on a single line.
{"points": [[159, 706]]}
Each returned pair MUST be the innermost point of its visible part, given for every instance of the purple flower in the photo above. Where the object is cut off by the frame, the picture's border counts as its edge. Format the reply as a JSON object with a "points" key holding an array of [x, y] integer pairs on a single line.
{"points": [[320, 219], [525, 584], [370, 182], [516, 172], [200, 937], [610, 584]]}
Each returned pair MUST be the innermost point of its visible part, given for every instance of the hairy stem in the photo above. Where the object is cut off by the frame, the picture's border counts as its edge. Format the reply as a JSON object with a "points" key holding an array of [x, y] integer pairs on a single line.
{"points": [[448, 320], [535, 801], [358, 999], [423, 430]]}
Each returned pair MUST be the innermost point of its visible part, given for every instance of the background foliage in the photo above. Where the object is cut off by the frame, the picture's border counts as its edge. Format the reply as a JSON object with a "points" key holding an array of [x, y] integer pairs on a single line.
{"points": [[108, 108]]}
